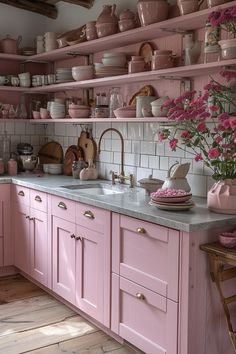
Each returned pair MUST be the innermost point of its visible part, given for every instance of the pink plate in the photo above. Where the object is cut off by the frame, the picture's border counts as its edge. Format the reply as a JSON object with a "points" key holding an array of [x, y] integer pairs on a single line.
{"points": [[182, 198]]}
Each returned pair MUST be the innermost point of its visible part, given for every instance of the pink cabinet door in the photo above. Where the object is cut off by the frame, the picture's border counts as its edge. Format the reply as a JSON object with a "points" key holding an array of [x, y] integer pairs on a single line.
{"points": [[90, 272], [7, 251], [38, 246], [21, 237], [147, 254], [63, 244], [144, 318]]}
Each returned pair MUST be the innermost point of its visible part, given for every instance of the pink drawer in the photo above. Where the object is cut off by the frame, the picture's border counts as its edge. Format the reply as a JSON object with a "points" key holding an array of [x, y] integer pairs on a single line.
{"points": [[63, 208], [21, 194], [147, 254], [38, 200], [91, 217], [144, 318]]}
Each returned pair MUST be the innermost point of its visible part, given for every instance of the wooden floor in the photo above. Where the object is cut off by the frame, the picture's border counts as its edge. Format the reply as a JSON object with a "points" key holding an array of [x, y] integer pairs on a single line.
{"points": [[33, 322]]}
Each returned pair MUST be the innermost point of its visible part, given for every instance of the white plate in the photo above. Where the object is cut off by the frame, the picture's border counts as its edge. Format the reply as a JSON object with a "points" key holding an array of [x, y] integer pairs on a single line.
{"points": [[173, 207]]}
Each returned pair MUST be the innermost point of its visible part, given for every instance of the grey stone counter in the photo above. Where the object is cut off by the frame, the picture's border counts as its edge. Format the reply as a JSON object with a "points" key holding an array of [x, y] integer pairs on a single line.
{"points": [[132, 202]]}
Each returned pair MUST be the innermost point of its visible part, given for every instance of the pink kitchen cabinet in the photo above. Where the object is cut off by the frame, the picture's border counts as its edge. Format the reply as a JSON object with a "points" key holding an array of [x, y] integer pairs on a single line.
{"points": [[30, 233], [6, 244], [145, 266], [81, 257]]}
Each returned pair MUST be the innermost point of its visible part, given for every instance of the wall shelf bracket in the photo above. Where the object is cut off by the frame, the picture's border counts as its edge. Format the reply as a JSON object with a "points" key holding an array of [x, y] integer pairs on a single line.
{"points": [[174, 30]]}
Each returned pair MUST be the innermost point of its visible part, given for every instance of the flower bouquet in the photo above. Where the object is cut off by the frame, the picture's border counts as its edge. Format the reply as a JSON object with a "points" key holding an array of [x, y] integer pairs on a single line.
{"points": [[208, 139], [226, 20]]}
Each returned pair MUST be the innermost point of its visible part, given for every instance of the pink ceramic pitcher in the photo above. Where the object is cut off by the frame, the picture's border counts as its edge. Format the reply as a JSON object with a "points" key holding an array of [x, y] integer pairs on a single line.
{"points": [[9, 45]]}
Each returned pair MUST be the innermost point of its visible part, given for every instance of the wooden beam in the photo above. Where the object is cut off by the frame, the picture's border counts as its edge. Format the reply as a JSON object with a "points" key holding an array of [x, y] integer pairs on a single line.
{"points": [[39, 7], [84, 3]]}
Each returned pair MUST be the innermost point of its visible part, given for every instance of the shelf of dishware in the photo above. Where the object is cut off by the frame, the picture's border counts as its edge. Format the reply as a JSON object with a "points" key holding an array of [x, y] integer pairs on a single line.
{"points": [[100, 120], [14, 57], [176, 73], [165, 28]]}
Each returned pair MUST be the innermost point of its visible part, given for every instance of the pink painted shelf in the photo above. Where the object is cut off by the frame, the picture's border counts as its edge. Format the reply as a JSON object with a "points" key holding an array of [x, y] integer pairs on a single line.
{"points": [[14, 120], [100, 120], [13, 88], [172, 73], [161, 29], [13, 57]]}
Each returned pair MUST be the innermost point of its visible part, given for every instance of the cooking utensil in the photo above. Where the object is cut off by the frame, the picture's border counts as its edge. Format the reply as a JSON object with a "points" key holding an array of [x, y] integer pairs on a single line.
{"points": [[51, 152]]}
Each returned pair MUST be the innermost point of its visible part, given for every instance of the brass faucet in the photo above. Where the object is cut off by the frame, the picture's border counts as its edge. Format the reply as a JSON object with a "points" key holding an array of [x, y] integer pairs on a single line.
{"points": [[121, 177]]}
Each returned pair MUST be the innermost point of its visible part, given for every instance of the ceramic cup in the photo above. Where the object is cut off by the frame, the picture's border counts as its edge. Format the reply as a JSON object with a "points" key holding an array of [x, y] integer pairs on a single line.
{"points": [[36, 115], [15, 81], [44, 114], [144, 105], [3, 80], [24, 76]]}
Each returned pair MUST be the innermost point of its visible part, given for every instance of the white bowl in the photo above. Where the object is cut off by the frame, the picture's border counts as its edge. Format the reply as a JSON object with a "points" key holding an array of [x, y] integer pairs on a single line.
{"points": [[115, 61], [113, 54], [85, 72], [158, 112]]}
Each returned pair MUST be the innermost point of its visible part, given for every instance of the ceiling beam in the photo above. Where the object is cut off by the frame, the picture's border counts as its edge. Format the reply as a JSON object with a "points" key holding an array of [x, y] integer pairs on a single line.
{"points": [[39, 7], [84, 3]]}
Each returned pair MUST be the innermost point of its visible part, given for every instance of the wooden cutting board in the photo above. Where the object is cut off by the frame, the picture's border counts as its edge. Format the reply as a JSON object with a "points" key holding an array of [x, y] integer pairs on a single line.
{"points": [[51, 152], [73, 153], [89, 146]]}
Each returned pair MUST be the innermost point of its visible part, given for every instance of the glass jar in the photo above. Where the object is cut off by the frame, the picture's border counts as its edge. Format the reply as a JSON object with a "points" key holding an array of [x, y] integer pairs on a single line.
{"points": [[116, 100], [101, 112]]}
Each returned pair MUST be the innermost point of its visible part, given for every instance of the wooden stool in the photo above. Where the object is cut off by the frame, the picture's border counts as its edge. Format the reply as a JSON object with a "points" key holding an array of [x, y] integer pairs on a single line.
{"points": [[220, 257]]}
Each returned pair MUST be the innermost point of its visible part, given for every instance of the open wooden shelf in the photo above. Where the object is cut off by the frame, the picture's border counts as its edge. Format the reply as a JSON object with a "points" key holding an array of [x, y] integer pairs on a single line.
{"points": [[180, 72], [161, 29], [13, 57]]}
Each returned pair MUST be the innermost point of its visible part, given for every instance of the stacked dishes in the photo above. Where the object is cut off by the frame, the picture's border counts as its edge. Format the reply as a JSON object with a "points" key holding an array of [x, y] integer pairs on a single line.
{"points": [[63, 75], [113, 63], [57, 110], [171, 199]]}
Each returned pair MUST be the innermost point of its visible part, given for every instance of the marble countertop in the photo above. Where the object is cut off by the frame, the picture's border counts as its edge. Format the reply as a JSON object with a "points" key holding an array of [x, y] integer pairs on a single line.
{"points": [[133, 202]]}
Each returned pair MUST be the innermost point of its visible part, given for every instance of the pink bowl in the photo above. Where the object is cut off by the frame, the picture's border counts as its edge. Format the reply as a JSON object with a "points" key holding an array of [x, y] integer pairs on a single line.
{"points": [[125, 112], [228, 239], [79, 113]]}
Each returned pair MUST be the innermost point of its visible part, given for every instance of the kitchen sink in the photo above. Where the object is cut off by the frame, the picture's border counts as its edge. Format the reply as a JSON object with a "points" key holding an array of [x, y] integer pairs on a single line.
{"points": [[95, 189]]}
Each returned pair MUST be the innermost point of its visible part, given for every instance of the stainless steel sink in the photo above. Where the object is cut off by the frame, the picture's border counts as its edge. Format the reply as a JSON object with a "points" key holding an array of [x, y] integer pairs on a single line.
{"points": [[95, 189]]}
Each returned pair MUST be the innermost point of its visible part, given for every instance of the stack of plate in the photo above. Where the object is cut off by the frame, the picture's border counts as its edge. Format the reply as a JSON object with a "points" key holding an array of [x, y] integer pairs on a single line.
{"points": [[166, 200], [63, 75], [113, 63], [57, 110]]}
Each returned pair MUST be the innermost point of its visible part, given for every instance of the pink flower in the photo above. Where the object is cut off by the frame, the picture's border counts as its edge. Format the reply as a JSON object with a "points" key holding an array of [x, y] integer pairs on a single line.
{"points": [[161, 136], [201, 127], [226, 124], [173, 144], [223, 116], [213, 154], [185, 135], [213, 108], [233, 123], [218, 139], [228, 74], [198, 157]]}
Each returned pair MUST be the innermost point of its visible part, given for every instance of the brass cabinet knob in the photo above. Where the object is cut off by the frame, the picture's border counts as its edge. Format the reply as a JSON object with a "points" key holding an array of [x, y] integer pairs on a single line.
{"points": [[62, 205], [38, 199], [89, 214], [21, 193], [141, 230], [140, 296]]}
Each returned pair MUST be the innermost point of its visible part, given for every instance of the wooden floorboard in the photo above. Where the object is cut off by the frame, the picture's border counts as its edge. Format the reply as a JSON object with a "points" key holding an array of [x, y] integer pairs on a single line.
{"points": [[33, 322]]}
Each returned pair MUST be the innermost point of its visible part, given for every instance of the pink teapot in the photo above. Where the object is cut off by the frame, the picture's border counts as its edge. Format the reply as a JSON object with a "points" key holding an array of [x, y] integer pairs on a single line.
{"points": [[9, 45], [108, 15]]}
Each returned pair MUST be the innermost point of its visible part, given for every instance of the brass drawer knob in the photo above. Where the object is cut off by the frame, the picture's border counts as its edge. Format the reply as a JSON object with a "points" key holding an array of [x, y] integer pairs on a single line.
{"points": [[62, 205], [38, 199], [72, 236], [141, 230], [140, 296], [89, 214], [21, 193], [78, 238]]}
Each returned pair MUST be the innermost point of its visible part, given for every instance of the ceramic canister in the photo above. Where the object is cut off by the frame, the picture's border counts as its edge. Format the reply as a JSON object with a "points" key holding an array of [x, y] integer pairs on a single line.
{"points": [[143, 103]]}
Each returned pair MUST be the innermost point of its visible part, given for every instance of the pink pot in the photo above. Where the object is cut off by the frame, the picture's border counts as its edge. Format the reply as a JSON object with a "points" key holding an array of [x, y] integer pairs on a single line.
{"points": [[128, 24], [188, 6], [106, 29], [221, 198], [228, 48], [152, 11], [162, 59], [212, 3], [108, 15]]}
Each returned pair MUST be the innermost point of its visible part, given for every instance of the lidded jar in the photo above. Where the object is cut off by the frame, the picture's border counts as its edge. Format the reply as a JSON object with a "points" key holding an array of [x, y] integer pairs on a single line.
{"points": [[137, 64], [162, 59]]}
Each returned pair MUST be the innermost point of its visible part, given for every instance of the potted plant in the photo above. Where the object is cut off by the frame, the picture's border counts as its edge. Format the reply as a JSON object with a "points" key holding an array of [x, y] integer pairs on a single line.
{"points": [[226, 20], [209, 139]]}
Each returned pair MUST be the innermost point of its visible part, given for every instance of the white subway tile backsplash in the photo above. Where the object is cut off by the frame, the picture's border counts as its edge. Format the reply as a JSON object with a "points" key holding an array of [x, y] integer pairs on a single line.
{"points": [[106, 156], [148, 147], [144, 161], [160, 149], [154, 162], [198, 184], [150, 130], [20, 128], [136, 147], [10, 128], [135, 131], [122, 128], [132, 159], [60, 129], [143, 172], [164, 163]]}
